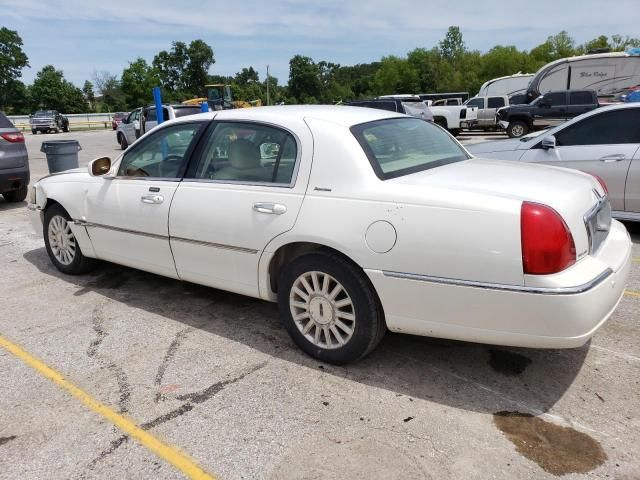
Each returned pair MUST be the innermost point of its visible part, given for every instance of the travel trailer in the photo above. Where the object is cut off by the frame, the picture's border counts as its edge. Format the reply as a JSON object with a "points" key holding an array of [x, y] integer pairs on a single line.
{"points": [[609, 74], [509, 85]]}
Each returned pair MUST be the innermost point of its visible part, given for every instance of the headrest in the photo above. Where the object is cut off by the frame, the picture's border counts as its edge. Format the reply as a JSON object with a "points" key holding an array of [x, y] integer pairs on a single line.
{"points": [[244, 155]]}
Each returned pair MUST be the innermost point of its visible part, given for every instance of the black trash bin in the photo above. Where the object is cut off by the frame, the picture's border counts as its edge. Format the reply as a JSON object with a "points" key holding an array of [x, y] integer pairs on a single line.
{"points": [[61, 154]]}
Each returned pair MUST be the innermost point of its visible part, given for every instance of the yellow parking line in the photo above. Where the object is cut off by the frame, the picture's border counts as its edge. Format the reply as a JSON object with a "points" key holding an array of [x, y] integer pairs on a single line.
{"points": [[179, 460], [632, 293]]}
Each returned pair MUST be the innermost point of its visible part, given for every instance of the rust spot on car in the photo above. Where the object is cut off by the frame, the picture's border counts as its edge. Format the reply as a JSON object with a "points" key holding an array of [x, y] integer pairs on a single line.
{"points": [[508, 363], [556, 449]]}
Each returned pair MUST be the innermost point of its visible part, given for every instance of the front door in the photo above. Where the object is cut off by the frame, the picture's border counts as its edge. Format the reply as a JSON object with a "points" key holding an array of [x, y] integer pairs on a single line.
{"points": [[602, 144], [245, 189], [127, 216]]}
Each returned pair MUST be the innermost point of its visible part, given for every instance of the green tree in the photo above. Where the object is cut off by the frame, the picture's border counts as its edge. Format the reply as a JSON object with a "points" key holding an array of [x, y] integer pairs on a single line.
{"points": [[12, 61], [452, 46], [395, 76], [184, 69], [50, 90], [620, 43], [137, 82], [600, 42], [554, 47], [304, 79], [108, 86], [89, 96]]}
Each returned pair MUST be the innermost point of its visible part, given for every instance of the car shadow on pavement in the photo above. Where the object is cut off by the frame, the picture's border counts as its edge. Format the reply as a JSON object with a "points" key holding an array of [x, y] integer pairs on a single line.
{"points": [[469, 376], [5, 206]]}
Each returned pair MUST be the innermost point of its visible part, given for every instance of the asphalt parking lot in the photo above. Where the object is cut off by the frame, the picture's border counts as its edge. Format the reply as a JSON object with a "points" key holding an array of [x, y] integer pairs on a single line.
{"points": [[215, 377]]}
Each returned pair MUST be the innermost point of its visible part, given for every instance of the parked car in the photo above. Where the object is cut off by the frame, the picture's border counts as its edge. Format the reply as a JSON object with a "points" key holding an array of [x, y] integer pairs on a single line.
{"points": [[487, 109], [117, 119], [552, 108], [141, 120], [407, 105], [603, 142], [14, 162], [355, 220], [46, 121]]}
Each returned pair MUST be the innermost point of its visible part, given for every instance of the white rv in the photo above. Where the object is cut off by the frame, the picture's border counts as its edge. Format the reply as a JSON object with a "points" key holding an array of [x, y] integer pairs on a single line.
{"points": [[609, 74], [509, 85]]}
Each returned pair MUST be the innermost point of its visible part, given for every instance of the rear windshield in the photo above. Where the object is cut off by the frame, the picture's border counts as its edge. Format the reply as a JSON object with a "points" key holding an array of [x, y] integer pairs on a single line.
{"points": [[401, 146], [185, 111], [5, 122]]}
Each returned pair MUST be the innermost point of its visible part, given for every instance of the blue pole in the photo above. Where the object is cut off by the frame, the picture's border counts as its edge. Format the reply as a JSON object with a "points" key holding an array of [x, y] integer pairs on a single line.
{"points": [[157, 97]]}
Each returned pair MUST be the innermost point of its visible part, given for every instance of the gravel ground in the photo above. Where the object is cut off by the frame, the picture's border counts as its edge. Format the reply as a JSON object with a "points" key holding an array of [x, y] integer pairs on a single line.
{"points": [[214, 375]]}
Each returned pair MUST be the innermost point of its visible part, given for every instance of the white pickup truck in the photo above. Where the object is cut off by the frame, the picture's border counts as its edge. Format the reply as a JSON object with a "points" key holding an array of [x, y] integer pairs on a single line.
{"points": [[486, 114]]}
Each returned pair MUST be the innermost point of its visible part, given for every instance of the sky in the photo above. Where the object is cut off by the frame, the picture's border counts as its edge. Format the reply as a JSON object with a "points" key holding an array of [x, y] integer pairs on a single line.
{"points": [[83, 36]]}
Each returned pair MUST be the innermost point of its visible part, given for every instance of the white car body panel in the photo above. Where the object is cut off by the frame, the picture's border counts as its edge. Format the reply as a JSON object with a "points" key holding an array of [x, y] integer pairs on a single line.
{"points": [[453, 270]]}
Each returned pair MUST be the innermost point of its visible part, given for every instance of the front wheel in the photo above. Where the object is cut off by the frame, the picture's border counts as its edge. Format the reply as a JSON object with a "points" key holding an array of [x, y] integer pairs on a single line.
{"points": [[62, 246], [329, 308], [123, 141], [517, 129], [65, 128]]}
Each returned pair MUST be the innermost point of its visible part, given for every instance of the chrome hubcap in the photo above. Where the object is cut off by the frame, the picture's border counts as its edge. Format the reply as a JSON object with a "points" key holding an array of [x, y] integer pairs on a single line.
{"points": [[517, 130], [322, 310], [61, 240]]}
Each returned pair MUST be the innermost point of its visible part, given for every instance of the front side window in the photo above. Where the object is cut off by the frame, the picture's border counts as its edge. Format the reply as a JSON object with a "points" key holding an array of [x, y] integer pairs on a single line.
{"points": [[620, 126], [555, 99], [401, 146], [248, 153], [161, 155]]}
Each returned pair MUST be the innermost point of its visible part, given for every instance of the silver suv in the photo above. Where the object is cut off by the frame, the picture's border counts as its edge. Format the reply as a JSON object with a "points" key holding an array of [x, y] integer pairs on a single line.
{"points": [[14, 162]]}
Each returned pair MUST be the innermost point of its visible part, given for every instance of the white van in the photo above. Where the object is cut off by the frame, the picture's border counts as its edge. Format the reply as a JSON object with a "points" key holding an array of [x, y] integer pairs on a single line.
{"points": [[609, 74]]}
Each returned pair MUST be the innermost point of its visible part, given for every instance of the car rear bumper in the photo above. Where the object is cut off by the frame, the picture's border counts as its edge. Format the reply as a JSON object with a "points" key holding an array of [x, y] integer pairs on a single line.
{"points": [[13, 178], [539, 317]]}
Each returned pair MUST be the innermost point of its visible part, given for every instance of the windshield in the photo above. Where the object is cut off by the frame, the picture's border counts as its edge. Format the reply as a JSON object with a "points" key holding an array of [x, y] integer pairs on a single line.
{"points": [[401, 146], [43, 113]]}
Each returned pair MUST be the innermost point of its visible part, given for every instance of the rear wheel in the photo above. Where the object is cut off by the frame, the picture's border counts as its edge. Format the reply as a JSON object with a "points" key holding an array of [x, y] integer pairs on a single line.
{"points": [[122, 141], [62, 246], [65, 128], [34, 131], [329, 308], [517, 129], [455, 132], [16, 195]]}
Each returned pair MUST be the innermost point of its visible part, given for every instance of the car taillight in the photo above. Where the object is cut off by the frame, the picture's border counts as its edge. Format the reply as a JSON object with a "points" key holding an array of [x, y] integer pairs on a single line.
{"points": [[547, 243], [602, 184], [13, 137]]}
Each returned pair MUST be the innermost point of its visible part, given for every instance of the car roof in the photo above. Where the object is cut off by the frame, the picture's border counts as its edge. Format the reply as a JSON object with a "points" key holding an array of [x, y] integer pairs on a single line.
{"points": [[339, 114]]}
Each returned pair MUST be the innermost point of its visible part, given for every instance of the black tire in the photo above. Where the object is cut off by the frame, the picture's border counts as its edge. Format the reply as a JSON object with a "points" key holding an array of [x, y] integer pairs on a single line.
{"points": [[80, 263], [517, 129], [16, 195], [441, 121], [122, 140], [369, 326], [34, 132], [65, 128], [455, 132]]}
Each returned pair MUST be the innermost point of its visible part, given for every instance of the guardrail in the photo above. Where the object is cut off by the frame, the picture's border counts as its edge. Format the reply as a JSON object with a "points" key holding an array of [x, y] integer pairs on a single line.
{"points": [[77, 121], [73, 125]]}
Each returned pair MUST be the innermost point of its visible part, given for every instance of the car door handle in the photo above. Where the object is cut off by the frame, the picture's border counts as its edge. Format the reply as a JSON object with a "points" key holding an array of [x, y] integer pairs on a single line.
{"points": [[616, 157], [271, 208], [152, 198]]}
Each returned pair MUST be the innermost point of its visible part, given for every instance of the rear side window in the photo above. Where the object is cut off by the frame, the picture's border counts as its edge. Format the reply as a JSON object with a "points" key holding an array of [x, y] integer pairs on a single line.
{"points": [[184, 111], [580, 98], [495, 102], [5, 122], [620, 126], [557, 98], [248, 153], [401, 146], [151, 115]]}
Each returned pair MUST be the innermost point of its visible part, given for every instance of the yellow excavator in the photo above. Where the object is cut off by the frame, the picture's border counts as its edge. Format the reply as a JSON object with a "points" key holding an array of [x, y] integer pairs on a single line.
{"points": [[219, 97]]}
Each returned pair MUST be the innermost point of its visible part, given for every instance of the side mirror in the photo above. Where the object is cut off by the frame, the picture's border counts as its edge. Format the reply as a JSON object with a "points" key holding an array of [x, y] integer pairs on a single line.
{"points": [[549, 142], [99, 167]]}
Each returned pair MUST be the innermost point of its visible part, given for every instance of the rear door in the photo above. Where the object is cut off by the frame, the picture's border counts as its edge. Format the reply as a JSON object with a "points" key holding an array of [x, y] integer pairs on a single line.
{"points": [[603, 144], [13, 153], [244, 188], [580, 102]]}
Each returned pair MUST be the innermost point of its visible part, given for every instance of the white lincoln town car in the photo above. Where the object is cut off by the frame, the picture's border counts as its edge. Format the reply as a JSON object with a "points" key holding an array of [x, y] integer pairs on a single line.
{"points": [[354, 221]]}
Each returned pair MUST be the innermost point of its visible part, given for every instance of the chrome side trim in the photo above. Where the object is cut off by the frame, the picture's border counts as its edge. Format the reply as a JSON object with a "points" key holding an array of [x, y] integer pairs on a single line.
{"points": [[166, 237], [628, 216], [497, 286], [122, 230], [215, 245]]}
